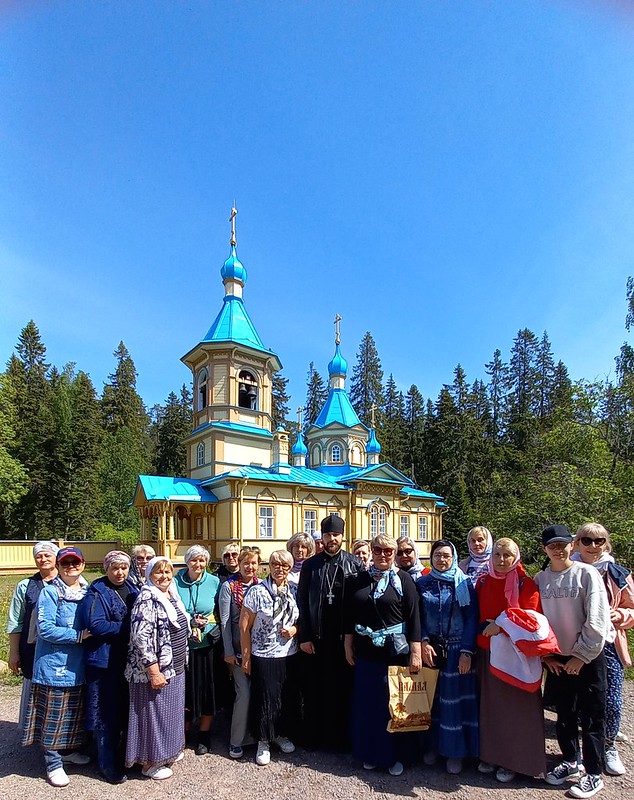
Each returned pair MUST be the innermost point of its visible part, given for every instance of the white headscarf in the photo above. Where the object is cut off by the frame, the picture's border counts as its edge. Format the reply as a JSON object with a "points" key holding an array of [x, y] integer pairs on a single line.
{"points": [[164, 597]]}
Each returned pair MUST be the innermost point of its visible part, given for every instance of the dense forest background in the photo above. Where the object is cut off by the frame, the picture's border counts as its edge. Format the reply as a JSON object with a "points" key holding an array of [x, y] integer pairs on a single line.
{"points": [[515, 450]]}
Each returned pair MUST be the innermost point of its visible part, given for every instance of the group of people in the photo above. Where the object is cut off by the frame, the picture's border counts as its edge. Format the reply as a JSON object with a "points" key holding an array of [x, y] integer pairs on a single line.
{"points": [[144, 657]]}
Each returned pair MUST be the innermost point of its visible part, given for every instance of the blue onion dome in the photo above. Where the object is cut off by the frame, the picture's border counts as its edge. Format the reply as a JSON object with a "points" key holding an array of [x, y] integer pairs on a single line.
{"points": [[299, 448], [373, 445], [338, 365], [233, 268]]}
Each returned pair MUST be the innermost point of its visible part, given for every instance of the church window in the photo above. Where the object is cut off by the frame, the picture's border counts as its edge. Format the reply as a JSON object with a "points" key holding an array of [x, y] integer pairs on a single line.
{"points": [[422, 527], [265, 522], [247, 390], [335, 454], [200, 454], [355, 455], [310, 521], [201, 390], [374, 519], [404, 527], [382, 520], [378, 520], [316, 461]]}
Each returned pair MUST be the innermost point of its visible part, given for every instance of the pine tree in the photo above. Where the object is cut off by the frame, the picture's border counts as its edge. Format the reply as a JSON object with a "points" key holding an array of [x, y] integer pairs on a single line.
{"points": [[174, 427], [545, 371], [316, 395], [280, 401], [366, 386], [497, 388], [523, 395], [393, 431], [415, 419], [14, 480]]}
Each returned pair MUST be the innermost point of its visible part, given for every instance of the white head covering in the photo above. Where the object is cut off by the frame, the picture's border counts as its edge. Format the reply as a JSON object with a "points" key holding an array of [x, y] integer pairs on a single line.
{"points": [[164, 597], [45, 547]]}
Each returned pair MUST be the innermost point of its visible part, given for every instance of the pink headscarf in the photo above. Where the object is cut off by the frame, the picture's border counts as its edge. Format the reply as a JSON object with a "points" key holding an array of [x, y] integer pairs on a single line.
{"points": [[511, 578]]}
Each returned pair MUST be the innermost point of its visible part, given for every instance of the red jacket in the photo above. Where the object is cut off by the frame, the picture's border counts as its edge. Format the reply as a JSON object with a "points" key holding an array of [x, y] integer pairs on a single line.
{"points": [[492, 601]]}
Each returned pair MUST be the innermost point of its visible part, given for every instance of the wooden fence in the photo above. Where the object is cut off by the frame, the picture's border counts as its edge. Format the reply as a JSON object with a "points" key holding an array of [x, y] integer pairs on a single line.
{"points": [[16, 555]]}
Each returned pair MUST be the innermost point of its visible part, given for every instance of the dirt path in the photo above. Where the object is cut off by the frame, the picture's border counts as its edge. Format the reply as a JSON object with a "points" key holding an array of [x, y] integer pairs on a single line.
{"points": [[309, 775]]}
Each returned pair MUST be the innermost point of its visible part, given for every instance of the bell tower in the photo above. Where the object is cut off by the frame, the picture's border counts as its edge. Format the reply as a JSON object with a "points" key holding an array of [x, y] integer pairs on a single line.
{"points": [[232, 374]]}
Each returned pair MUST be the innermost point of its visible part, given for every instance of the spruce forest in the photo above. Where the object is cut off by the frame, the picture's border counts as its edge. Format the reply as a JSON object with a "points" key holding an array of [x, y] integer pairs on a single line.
{"points": [[514, 449]]}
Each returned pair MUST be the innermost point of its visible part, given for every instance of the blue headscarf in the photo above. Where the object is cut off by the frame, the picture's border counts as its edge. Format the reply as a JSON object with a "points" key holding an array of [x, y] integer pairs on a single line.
{"points": [[453, 575], [384, 578]]}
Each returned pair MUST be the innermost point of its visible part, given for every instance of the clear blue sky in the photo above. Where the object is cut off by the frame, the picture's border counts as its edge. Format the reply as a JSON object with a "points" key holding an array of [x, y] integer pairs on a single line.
{"points": [[441, 174]]}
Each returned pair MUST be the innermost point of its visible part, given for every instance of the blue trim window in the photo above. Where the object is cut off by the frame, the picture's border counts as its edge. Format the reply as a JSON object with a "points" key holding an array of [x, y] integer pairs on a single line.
{"points": [[200, 455], [310, 521], [422, 527], [265, 522], [335, 454]]}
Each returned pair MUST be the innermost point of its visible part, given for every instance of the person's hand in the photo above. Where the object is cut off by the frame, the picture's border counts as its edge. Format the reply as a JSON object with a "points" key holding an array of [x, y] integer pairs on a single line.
{"points": [[231, 660], [429, 654], [615, 615], [464, 663], [573, 666], [158, 680], [308, 648], [85, 634], [288, 633], [553, 664], [414, 663], [246, 665], [492, 629], [349, 651], [14, 664]]}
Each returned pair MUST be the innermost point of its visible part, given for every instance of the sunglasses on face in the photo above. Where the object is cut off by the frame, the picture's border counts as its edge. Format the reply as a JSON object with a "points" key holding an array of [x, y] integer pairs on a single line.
{"points": [[407, 552], [383, 551], [586, 541], [73, 563]]}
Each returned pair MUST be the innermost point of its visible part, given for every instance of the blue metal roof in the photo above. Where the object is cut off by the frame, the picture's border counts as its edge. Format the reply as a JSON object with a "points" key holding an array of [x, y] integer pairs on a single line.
{"points": [[422, 494], [337, 408], [381, 473], [338, 365], [299, 448], [301, 475], [233, 426], [373, 445], [233, 324], [234, 268], [158, 487]]}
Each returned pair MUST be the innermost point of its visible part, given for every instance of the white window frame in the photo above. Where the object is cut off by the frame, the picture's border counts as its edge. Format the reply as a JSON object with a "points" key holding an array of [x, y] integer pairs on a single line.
{"points": [[201, 396], [422, 529], [310, 521], [374, 521], [266, 522], [404, 525], [382, 521], [200, 454], [339, 450]]}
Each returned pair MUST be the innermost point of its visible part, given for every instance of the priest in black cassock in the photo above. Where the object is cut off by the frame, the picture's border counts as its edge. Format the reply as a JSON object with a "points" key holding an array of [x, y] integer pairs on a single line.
{"points": [[320, 597]]}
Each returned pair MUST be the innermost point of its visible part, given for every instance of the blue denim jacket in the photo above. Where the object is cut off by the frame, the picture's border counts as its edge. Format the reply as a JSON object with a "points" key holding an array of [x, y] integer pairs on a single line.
{"points": [[441, 614], [59, 656], [108, 619]]}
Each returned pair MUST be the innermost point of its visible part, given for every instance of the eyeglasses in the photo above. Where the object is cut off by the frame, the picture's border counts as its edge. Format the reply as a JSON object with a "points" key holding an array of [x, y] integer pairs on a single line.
{"points": [[285, 567], [230, 555], [144, 558], [407, 552], [73, 563], [586, 541], [383, 551]]}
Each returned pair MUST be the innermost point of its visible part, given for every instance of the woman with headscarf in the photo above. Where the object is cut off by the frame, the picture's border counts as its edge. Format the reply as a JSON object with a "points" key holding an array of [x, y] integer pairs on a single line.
{"points": [[198, 590], [142, 554], [109, 602], [592, 546], [56, 712], [449, 623], [157, 657], [301, 546], [511, 718], [407, 557], [480, 544], [382, 629], [268, 636], [21, 619], [230, 602]]}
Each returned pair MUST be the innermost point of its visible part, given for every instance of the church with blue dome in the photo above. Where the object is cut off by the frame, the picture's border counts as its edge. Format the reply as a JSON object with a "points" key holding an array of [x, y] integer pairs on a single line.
{"points": [[245, 484]]}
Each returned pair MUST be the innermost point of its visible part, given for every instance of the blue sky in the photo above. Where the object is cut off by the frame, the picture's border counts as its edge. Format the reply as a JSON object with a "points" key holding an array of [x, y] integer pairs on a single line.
{"points": [[441, 174]]}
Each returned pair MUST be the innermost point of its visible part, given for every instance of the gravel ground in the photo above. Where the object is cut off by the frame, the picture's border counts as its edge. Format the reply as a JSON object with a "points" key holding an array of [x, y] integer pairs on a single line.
{"points": [[317, 776]]}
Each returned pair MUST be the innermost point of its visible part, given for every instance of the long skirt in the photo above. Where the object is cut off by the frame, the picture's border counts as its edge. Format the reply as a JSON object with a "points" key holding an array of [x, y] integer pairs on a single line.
{"points": [[511, 723], [107, 716], [371, 742], [267, 719], [55, 717], [200, 689], [156, 729], [455, 714]]}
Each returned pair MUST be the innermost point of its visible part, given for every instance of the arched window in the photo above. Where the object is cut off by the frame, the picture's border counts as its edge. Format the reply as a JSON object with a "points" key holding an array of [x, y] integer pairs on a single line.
{"points": [[201, 390], [355, 455], [316, 456], [335, 454], [378, 520], [200, 454], [247, 390]]}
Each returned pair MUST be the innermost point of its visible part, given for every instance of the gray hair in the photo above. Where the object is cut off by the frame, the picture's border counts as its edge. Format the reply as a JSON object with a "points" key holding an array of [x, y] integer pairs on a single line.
{"points": [[301, 538], [196, 550]]}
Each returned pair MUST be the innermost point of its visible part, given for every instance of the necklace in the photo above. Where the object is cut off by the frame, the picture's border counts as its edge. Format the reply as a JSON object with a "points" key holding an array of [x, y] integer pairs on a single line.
{"points": [[330, 583]]}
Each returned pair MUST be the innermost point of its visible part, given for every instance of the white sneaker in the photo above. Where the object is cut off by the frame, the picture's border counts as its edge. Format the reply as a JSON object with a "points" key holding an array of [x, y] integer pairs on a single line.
{"points": [[367, 765], [485, 768], [613, 763], [76, 758], [157, 773], [58, 777], [284, 744], [179, 757], [263, 755], [396, 769], [505, 775], [588, 786], [454, 766]]}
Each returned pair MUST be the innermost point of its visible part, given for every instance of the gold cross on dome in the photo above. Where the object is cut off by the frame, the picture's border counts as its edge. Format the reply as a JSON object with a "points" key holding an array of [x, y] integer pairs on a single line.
{"points": [[300, 411], [232, 220], [373, 413], [337, 332]]}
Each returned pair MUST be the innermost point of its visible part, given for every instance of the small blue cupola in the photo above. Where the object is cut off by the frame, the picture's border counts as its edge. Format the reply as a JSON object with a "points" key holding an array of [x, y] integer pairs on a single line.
{"points": [[338, 366], [373, 448], [233, 269], [299, 451]]}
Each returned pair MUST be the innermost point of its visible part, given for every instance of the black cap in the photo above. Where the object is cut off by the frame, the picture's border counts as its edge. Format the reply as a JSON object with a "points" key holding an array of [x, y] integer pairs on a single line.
{"points": [[332, 524], [556, 533]]}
